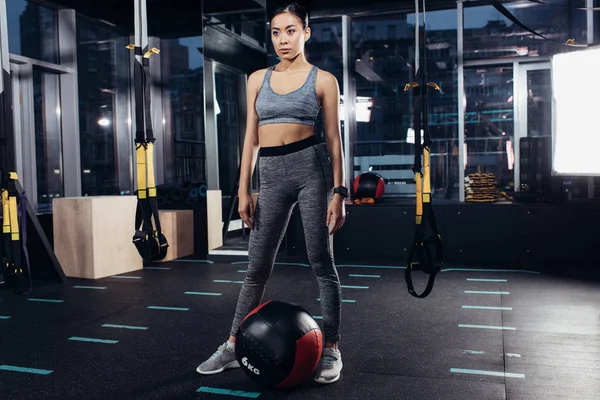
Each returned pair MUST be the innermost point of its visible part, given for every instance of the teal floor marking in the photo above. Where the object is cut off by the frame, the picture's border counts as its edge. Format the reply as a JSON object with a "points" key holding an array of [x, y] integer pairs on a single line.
{"points": [[490, 270], [364, 276], [14, 368], [488, 308], [45, 300], [317, 316], [125, 277], [228, 392], [90, 287], [4, 317], [204, 293], [86, 339], [485, 280], [354, 287], [226, 281], [168, 308], [501, 328], [243, 271], [489, 373], [343, 300], [484, 292], [195, 261], [473, 352], [141, 328]]}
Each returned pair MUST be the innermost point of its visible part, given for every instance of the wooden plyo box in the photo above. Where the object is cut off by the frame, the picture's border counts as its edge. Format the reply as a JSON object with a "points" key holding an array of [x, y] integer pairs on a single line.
{"points": [[93, 235], [178, 228]]}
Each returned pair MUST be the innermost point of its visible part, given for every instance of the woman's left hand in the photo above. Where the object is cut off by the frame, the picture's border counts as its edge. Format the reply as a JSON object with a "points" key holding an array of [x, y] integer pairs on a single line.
{"points": [[336, 214]]}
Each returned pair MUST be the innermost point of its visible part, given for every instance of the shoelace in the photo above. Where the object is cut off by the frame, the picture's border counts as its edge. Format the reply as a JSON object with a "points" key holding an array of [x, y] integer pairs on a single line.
{"points": [[219, 351], [328, 361]]}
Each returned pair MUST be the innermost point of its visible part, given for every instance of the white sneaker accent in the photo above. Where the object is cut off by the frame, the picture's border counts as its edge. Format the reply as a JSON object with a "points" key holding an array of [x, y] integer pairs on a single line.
{"points": [[330, 366]]}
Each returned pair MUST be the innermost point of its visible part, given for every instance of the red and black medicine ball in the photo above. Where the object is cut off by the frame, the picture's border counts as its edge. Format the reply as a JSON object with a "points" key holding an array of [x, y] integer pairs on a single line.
{"points": [[278, 345], [369, 185]]}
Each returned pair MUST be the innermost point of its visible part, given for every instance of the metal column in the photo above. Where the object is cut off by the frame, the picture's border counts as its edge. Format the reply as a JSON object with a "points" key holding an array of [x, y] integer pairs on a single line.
{"points": [[461, 102], [349, 102], [7, 139], [590, 39], [211, 139], [71, 154]]}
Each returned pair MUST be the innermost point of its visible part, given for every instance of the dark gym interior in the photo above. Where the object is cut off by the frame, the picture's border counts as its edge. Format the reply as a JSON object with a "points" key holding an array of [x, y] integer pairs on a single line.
{"points": [[514, 312]]}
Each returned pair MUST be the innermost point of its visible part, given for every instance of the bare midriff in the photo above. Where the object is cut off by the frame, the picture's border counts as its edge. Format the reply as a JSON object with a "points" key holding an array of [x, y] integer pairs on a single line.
{"points": [[282, 134]]}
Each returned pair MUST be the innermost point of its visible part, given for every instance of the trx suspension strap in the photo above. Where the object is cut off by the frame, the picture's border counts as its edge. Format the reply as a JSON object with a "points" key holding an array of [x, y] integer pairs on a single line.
{"points": [[150, 242], [420, 256]]}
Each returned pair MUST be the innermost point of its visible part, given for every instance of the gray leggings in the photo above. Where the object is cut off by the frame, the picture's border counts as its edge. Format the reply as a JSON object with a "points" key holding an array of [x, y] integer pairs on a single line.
{"points": [[301, 173]]}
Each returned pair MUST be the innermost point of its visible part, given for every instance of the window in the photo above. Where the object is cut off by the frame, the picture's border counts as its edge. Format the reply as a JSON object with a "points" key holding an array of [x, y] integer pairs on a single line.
{"points": [[32, 30], [596, 19], [383, 65], [48, 138], [489, 34], [103, 66], [324, 49], [182, 65], [489, 124], [392, 31]]}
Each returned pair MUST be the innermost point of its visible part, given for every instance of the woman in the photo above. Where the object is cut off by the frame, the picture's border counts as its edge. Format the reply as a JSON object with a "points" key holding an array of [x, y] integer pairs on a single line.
{"points": [[283, 104]]}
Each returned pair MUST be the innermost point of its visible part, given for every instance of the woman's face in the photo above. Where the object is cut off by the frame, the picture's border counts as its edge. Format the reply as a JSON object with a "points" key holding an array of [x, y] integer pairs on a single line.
{"points": [[287, 35]]}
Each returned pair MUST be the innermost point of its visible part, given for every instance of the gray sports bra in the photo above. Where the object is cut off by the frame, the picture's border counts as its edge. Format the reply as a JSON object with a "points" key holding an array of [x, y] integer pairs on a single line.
{"points": [[300, 106]]}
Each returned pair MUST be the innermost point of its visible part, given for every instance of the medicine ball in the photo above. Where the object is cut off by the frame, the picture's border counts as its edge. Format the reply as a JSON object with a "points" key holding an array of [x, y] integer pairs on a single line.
{"points": [[278, 344], [369, 185]]}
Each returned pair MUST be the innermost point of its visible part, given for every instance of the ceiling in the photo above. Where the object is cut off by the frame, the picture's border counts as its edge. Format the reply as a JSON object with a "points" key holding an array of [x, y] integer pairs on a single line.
{"points": [[165, 18], [178, 18]]}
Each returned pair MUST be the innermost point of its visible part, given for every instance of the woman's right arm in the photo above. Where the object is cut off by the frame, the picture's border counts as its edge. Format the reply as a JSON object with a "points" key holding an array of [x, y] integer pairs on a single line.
{"points": [[250, 150]]}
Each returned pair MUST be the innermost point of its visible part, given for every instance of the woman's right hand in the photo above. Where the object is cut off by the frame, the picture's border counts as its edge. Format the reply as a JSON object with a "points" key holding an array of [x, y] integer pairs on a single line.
{"points": [[246, 209]]}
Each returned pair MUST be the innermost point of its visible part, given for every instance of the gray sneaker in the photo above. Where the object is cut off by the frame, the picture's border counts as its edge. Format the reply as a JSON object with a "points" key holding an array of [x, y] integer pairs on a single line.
{"points": [[221, 360]]}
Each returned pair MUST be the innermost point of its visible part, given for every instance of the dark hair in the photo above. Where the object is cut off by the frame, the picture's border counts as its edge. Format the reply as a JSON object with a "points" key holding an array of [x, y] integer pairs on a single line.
{"points": [[295, 9]]}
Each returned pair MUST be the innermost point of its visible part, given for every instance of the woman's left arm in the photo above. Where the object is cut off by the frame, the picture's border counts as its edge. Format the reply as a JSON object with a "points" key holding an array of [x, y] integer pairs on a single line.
{"points": [[336, 213]]}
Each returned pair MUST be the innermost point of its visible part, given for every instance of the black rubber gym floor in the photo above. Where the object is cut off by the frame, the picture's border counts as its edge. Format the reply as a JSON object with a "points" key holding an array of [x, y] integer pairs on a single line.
{"points": [[481, 334]]}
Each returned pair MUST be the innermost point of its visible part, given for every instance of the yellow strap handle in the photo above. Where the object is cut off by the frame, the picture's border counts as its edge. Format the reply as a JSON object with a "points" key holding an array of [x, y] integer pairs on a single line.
{"points": [[5, 212], [419, 182], [140, 153], [150, 166], [426, 176], [14, 220], [10, 218]]}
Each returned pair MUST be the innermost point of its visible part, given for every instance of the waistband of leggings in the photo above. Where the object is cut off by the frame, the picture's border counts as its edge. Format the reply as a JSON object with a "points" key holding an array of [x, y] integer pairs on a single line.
{"points": [[289, 148]]}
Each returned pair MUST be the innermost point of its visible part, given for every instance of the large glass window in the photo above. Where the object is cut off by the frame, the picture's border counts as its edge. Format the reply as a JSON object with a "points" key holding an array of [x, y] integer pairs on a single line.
{"points": [[596, 18], [103, 66], [382, 64], [324, 49], [489, 34], [48, 138], [182, 64], [32, 30], [490, 126]]}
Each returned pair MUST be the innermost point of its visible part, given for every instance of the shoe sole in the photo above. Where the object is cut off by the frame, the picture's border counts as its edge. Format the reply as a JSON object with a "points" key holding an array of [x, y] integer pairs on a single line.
{"points": [[233, 364], [325, 381]]}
